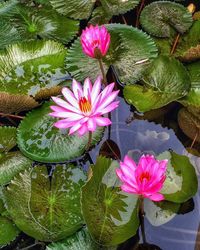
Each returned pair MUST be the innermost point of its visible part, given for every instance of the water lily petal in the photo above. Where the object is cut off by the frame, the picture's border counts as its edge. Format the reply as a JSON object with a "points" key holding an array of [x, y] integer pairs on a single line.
{"points": [[157, 197], [102, 121], [69, 96], [65, 105], [77, 89], [96, 89], [91, 124]]}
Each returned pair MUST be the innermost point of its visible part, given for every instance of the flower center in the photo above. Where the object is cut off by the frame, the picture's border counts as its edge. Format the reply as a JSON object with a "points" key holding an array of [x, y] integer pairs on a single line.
{"points": [[85, 105], [95, 43], [145, 175]]}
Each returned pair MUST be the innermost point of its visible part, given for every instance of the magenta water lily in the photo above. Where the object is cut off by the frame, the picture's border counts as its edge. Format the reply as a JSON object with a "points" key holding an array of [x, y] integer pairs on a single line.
{"points": [[84, 107], [95, 41], [145, 179]]}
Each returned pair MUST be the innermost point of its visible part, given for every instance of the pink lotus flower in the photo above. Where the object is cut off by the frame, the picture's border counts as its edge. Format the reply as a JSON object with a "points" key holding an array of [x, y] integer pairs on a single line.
{"points": [[145, 179], [84, 108], [95, 41]]}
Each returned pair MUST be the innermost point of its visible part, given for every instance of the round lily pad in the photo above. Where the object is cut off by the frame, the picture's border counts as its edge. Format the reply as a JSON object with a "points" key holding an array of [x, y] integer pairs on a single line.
{"points": [[165, 18], [39, 140], [48, 209]]}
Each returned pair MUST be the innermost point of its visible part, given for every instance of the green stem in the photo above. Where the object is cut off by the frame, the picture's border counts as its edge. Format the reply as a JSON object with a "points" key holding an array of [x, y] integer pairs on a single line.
{"points": [[141, 215], [89, 141], [139, 12], [102, 71]]}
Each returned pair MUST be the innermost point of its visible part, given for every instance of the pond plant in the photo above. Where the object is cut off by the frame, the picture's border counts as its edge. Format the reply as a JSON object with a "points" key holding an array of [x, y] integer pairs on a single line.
{"points": [[68, 70]]}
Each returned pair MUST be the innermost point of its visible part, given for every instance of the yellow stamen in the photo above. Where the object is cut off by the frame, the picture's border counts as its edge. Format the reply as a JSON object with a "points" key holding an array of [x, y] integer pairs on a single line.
{"points": [[85, 105]]}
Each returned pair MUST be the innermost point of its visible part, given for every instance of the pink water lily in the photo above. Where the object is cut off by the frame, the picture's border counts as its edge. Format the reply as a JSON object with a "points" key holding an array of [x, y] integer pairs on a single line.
{"points": [[145, 179], [84, 107], [95, 41]]}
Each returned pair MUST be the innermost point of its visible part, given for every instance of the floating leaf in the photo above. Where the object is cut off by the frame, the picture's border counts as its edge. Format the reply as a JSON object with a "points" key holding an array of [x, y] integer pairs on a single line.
{"points": [[77, 9], [188, 48], [113, 212], [164, 45], [7, 7], [190, 124], [80, 240], [166, 80], [32, 23], [159, 213], [47, 210], [7, 138], [11, 164], [2, 208], [181, 183], [16, 103], [109, 8], [8, 231], [45, 2], [8, 34], [164, 19], [39, 140], [193, 97], [130, 52], [100, 16], [26, 68], [116, 7]]}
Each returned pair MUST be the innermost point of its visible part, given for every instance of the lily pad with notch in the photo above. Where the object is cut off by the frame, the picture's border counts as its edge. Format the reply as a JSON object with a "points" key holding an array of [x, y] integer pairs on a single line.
{"points": [[49, 208], [165, 18]]}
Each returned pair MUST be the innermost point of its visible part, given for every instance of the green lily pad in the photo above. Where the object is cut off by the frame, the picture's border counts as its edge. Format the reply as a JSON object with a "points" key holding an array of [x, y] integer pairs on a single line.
{"points": [[39, 140], [189, 123], [47, 210], [7, 7], [8, 231], [113, 212], [166, 80], [45, 2], [130, 52], [2, 207], [109, 8], [159, 213], [165, 18], [7, 138], [32, 23], [77, 9], [8, 34], [193, 97], [116, 7], [80, 240], [181, 183], [164, 45], [39, 65], [188, 48], [11, 164]]}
